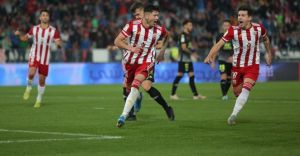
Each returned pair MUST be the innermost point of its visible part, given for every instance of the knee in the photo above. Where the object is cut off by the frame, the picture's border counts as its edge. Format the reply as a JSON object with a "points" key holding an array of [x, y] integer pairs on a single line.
{"points": [[146, 85], [236, 92], [179, 74], [42, 81], [31, 76]]}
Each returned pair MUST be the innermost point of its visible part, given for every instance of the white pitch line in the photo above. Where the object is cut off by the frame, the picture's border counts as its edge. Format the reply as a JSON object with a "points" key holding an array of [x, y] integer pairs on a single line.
{"points": [[58, 133], [64, 139], [98, 108]]}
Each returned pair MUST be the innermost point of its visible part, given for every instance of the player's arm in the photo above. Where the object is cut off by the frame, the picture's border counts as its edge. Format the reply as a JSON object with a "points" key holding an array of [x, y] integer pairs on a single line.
{"points": [[21, 36], [163, 46], [58, 43], [185, 48], [122, 44], [266, 41], [210, 59]]}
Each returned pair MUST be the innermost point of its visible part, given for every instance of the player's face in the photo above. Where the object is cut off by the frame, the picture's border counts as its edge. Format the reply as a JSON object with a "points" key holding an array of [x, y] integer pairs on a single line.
{"points": [[138, 13], [189, 27], [226, 26], [44, 17], [152, 18], [243, 18]]}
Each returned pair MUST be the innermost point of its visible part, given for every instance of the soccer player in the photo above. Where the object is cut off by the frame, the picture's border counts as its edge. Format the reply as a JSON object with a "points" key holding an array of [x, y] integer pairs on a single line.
{"points": [[42, 34], [185, 64], [245, 39], [137, 10], [139, 56], [225, 62]]}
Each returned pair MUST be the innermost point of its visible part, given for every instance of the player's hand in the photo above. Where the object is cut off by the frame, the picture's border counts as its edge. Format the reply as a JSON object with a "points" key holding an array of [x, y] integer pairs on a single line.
{"points": [[17, 32], [269, 59], [209, 59], [136, 49]]}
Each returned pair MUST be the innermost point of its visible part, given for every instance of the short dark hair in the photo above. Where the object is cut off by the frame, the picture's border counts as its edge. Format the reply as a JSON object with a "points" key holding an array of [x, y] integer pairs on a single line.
{"points": [[246, 8], [186, 22], [151, 8], [136, 5], [45, 10]]}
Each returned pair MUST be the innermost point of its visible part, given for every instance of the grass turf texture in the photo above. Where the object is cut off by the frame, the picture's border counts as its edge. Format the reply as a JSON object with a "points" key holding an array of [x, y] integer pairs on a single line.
{"points": [[269, 124]]}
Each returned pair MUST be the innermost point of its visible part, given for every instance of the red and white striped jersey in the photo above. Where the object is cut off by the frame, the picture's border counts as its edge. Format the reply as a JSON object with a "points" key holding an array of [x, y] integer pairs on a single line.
{"points": [[42, 38], [140, 36], [245, 44]]}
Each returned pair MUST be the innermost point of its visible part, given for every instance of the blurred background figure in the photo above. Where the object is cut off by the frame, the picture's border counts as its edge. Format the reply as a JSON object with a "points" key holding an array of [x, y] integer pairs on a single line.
{"points": [[94, 24]]}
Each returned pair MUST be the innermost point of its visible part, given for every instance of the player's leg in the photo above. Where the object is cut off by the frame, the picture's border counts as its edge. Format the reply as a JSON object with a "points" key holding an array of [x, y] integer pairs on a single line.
{"points": [[223, 81], [190, 71], [177, 80], [126, 90], [156, 95], [31, 72], [242, 90], [43, 72], [133, 95], [228, 74], [140, 72]]}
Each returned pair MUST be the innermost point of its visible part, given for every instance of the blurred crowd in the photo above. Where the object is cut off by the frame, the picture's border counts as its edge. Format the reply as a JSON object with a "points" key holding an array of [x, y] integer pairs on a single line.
{"points": [[88, 24]]}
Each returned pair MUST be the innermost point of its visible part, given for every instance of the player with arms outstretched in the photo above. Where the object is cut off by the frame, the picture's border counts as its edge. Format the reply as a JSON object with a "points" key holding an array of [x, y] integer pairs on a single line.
{"points": [[245, 39], [39, 57]]}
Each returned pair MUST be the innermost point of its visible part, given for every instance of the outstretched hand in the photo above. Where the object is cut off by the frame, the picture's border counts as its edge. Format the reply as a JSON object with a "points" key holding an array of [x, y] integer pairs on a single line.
{"points": [[210, 60]]}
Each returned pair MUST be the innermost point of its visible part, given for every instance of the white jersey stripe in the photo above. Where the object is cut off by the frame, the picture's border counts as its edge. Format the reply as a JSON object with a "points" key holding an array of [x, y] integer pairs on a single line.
{"points": [[245, 47], [43, 45], [252, 36]]}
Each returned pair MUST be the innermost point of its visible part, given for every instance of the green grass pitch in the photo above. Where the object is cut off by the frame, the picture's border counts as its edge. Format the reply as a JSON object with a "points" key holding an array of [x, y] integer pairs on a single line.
{"points": [[81, 120]]}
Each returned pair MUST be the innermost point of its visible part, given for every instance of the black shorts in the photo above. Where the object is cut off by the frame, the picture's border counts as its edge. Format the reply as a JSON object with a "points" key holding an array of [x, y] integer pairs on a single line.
{"points": [[225, 67], [151, 75], [185, 67]]}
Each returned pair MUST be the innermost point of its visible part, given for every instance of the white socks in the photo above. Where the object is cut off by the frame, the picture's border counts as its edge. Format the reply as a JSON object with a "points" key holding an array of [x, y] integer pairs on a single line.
{"points": [[41, 91], [133, 95], [240, 101]]}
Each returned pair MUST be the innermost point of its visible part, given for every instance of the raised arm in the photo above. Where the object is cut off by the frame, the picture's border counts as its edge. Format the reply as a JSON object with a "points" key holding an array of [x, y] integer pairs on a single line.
{"points": [[21, 36]]}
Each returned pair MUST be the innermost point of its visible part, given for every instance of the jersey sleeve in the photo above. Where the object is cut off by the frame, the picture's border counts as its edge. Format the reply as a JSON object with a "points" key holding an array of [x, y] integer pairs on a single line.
{"points": [[30, 32], [127, 30], [56, 35], [182, 38], [228, 35], [263, 31]]}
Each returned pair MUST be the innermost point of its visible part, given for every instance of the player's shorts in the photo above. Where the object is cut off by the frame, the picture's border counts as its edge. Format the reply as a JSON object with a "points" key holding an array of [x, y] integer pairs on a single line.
{"points": [[225, 67], [42, 68], [185, 67], [131, 70], [240, 73]]}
